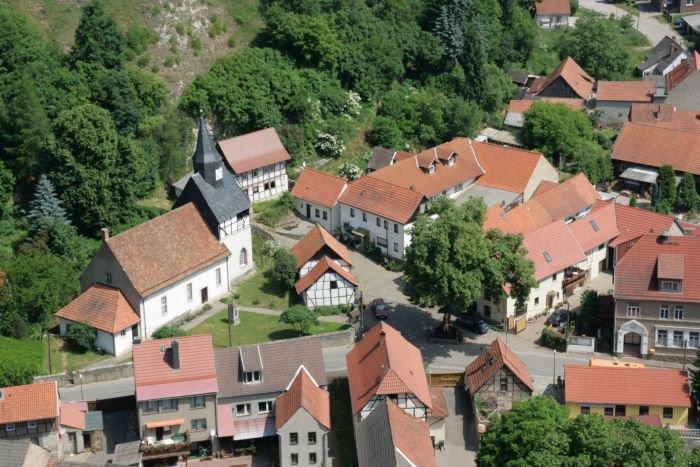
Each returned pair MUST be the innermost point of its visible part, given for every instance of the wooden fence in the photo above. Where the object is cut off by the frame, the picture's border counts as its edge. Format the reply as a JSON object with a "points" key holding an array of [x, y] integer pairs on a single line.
{"points": [[447, 380]]}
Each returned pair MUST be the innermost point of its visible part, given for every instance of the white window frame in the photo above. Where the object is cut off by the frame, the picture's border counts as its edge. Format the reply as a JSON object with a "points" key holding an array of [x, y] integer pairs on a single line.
{"points": [[664, 311], [252, 377], [352, 212], [31, 425], [189, 292], [173, 405], [268, 407], [676, 335], [198, 424], [246, 409], [634, 310], [659, 341], [671, 286], [164, 305], [678, 312], [194, 402], [694, 339]]}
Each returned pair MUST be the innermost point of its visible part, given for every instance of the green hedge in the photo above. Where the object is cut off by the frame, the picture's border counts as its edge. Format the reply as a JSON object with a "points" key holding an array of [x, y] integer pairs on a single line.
{"points": [[332, 310], [20, 361], [553, 339]]}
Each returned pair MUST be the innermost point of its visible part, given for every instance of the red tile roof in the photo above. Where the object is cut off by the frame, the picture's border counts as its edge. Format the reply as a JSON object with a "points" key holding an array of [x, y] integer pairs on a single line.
{"points": [[318, 187], [658, 387], [655, 146], [508, 169], [155, 378], [492, 359], [72, 416], [552, 248], [324, 264], [29, 402], [552, 7], [303, 393], [162, 251], [544, 185], [625, 91], [437, 396], [686, 68], [102, 307], [596, 228], [520, 106], [382, 198], [410, 174], [411, 437], [634, 222], [253, 150], [665, 115], [580, 81], [384, 362], [670, 266], [316, 240], [636, 274]]}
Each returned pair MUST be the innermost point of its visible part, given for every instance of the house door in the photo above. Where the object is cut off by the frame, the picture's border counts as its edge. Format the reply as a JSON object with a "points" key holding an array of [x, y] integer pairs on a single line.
{"points": [[205, 294], [159, 434], [308, 210], [550, 301], [72, 445]]}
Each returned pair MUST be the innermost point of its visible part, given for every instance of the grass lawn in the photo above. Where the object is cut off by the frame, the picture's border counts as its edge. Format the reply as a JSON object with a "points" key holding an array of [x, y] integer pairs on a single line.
{"points": [[544, 58], [64, 359], [255, 328], [342, 442]]}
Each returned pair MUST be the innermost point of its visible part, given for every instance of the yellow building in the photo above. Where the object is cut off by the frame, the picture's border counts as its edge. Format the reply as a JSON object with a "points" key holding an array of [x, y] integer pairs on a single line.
{"points": [[656, 396]]}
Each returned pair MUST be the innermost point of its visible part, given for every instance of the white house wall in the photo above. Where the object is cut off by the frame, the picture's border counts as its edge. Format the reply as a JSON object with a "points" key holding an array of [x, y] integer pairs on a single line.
{"points": [[115, 344], [122, 343], [553, 21], [536, 303], [254, 182], [151, 316], [544, 171], [405, 401], [241, 239], [317, 212], [321, 294], [593, 259], [394, 240]]}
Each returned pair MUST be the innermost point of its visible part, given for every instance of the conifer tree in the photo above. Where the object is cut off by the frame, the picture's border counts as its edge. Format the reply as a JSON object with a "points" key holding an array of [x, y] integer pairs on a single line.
{"points": [[45, 207]]}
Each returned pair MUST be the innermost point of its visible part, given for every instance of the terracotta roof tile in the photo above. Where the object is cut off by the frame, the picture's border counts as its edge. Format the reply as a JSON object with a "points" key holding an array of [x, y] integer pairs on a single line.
{"points": [[552, 248], [410, 173], [670, 266], [544, 185], [382, 198], [655, 146], [523, 105], [318, 187], [552, 7], [36, 401], [411, 437], [635, 222], [492, 359], [596, 228], [636, 274], [508, 169], [72, 416], [580, 81], [166, 249], [626, 386], [323, 265], [315, 241], [155, 377], [625, 91], [679, 74], [666, 116], [569, 197], [384, 362], [102, 307], [303, 393], [253, 150], [439, 409]]}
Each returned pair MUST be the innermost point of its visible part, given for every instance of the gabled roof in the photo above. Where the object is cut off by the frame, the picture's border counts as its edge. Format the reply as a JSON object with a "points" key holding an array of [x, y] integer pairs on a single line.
{"points": [[508, 169], [253, 150], [217, 204], [687, 67], [388, 437], [492, 359], [166, 249], [637, 273], [280, 361], [665, 49], [72, 416], [206, 159], [580, 81], [596, 228], [23, 453], [625, 91], [382, 198], [324, 265], [29, 402], [303, 393], [156, 378], [552, 7], [552, 248], [412, 173], [384, 362], [318, 187], [635, 222], [523, 105], [658, 387], [381, 157], [102, 307], [545, 185], [655, 146], [315, 241], [665, 115]]}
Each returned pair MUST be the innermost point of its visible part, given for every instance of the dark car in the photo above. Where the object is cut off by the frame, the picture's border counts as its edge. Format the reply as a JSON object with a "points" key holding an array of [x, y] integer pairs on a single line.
{"points": [[475, 325], [379, 308], [557, 318]]}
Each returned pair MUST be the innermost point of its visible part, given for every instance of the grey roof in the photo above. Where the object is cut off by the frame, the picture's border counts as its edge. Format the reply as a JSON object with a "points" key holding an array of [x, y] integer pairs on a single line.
{"points": [[491, 196], [514, 119], [375, 445], [671, 58], [93, 421], [666, 48], [693, 22], [250, 358], [503, 137], [22, 453], [518, 77], [381, 157], [206, 159], [127, 453], [280, 361]]}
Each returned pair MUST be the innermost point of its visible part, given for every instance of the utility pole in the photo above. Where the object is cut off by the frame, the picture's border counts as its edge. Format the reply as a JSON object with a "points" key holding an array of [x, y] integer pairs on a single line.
{"points": [[554, 369], [82, 398], [685, 349], [48, 338]]}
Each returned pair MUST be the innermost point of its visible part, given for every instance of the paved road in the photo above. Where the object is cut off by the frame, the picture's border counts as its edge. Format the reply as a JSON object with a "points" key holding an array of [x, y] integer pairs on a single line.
{"points": [[653, 29], [97, 391]]}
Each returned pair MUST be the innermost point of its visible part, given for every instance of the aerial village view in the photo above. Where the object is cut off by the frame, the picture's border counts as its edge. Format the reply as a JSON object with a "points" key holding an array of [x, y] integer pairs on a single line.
{"points": [[349, 233]]}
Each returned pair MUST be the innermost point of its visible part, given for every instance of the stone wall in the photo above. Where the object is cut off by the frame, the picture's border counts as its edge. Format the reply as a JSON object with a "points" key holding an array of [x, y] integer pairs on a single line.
{"points": [[96, 375]]}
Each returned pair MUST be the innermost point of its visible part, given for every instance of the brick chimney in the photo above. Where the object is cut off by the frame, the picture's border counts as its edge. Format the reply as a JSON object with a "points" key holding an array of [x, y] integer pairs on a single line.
{"points": [[105, 234]]}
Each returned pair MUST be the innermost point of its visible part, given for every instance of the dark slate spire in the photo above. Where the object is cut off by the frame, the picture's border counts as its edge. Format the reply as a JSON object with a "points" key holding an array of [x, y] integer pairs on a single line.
{"points": [[206, 159]]}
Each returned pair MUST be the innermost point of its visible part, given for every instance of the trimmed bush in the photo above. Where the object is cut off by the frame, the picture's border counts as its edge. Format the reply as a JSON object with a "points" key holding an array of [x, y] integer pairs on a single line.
{"points": [[81, 337], [553, 339], [169, 331]]}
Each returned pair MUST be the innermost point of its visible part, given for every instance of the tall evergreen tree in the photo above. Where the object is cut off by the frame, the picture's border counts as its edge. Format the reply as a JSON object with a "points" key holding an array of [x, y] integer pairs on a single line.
{"points": [[98, 39], [688, 193], [45, 207], [666, 186]]}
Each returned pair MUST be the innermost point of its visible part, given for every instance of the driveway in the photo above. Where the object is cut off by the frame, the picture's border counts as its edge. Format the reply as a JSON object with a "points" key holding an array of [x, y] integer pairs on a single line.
{"points": [[460, 432], [650, 26]]}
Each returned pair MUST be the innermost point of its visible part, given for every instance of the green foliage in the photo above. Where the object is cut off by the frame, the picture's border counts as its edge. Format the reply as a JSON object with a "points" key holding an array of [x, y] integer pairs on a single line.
{"points": [[168, 331], [45, 207], [574, 7], [20, 361], [284, 268], [300, 318], [7, 183], [450, 261], [81, 336], [666, 194], [594, 161], [332, 310], [349, 171], [633, 201], [553, 339], [687, 193], [138, 38], [98, 39], [272, 212], [216, 26], [590, 309]]}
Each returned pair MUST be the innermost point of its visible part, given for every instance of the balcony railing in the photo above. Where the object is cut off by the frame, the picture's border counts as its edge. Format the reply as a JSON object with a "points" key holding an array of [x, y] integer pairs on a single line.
{"points": [[160, 450]]}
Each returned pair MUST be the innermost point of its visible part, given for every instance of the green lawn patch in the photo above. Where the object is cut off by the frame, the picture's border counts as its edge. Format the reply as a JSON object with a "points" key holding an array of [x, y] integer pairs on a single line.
{"points": [[64, 359], [261, 290], [20, 360], [342, 442], [256, 328], [273, 211]]}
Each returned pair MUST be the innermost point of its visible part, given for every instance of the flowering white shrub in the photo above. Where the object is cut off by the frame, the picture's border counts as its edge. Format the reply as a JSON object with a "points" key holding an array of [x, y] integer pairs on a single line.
{"points": [[270, 247], [349, 171], [329, 145], [352, 105]]}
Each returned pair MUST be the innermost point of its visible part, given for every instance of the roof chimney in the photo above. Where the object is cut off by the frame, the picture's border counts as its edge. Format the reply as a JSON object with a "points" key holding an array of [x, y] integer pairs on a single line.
{"points": [[664, 236], [175, 354], [105, 234]]}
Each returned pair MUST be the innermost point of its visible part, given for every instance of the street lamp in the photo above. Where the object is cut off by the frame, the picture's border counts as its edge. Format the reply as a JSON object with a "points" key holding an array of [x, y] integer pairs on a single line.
{"points": [[82, 398], [554, 368]]}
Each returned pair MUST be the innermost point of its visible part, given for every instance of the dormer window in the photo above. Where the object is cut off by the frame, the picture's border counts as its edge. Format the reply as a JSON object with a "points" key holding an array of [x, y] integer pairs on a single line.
{"points": [[431, 169], [671, 286], [252, 377], [451, 160], [219, 173]]}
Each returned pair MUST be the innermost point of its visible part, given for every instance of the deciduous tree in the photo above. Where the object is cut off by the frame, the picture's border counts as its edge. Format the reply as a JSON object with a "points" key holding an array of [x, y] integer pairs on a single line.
{"points": [[284, 268], [300, 318]]}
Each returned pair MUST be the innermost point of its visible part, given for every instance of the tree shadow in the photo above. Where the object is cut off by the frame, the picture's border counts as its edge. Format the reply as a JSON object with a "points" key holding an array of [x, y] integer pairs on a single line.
{"points": [[285, 334]]}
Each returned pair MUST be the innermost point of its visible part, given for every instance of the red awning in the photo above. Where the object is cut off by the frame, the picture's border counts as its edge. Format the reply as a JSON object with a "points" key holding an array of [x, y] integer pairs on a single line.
{"points": [[163, 423]]}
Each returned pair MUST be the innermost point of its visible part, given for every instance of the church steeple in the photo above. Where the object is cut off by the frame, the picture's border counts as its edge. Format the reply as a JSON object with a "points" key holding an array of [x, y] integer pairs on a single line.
{"points": [[206, 159]]}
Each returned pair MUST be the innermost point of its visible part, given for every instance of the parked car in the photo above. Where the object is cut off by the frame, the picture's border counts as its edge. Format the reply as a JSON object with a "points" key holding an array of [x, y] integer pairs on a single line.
{"points": [[379, 308], [475, 325], [557, 318]]}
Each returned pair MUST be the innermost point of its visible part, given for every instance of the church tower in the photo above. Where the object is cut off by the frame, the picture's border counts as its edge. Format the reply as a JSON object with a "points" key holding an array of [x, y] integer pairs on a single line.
{"points": [[206, 159]]}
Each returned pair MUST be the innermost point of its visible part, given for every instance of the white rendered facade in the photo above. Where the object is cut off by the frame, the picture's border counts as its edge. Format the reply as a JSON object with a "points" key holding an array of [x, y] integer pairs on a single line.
{"points": [[388, 235], [237, 236], [329, 218], [116, 343], [265, 182], [303, 437]]}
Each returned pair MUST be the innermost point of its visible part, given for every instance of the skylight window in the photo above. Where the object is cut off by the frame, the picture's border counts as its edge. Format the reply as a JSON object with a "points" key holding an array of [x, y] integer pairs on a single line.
{"points": [[594, 224], [547, 257]]}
